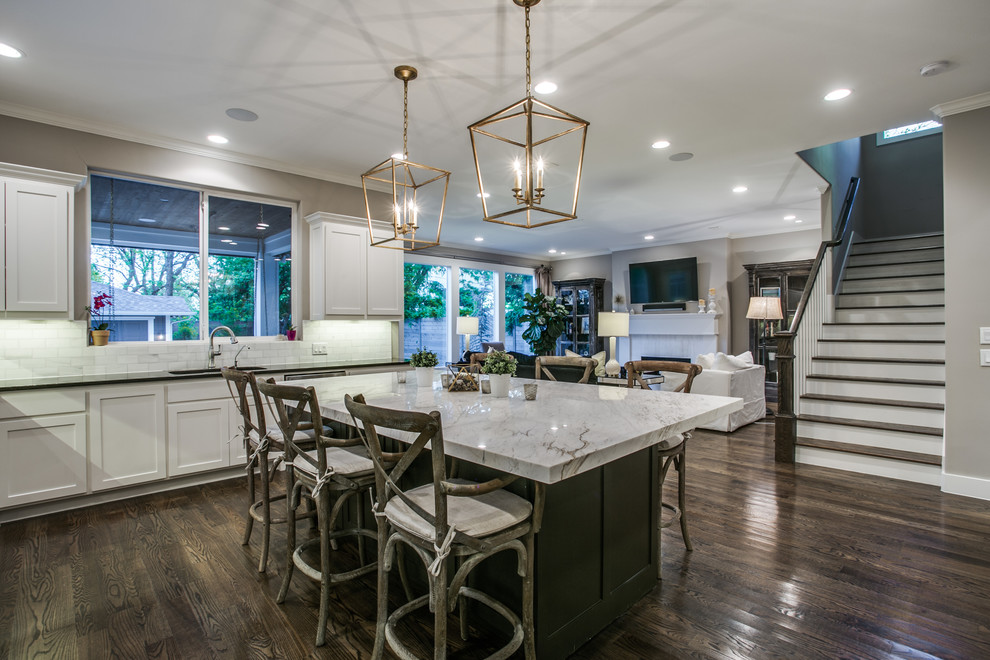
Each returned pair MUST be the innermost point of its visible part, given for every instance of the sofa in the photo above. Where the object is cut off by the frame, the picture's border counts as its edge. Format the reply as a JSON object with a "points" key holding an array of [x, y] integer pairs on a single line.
{"points": [[746, 383], [526, 367]]}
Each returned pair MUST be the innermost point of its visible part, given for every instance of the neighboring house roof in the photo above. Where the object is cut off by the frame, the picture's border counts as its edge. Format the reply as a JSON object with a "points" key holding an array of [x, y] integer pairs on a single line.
{"points": [[128, 303]]}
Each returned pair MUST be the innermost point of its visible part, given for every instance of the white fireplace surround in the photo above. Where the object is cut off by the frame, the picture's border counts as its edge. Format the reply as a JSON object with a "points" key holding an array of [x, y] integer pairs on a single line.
{"points": [[666, 334]]}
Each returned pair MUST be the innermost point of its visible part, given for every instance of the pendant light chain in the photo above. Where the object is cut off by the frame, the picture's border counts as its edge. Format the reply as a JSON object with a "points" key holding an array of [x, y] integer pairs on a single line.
{"points": [[528, 79], [405, 118]]}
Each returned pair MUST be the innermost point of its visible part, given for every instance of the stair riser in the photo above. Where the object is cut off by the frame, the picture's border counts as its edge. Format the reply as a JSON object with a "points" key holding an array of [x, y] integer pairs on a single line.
{"points": [[894, 315], [914, 283], [873, 413], [894, 257], [882, 350], [894, 391], [890, 299], [866, 331], [897, 244], [881, 467], [921, 268], [853, 435], [869, 369]]}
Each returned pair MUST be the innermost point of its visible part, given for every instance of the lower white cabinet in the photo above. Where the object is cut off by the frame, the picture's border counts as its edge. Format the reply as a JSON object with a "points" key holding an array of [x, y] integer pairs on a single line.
{"points": [[42, 458], [199, 436], [127, 442]]}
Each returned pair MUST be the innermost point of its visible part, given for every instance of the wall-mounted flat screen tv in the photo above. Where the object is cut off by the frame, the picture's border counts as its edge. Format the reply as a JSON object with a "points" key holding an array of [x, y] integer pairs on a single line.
{"points": [[669, 281]]}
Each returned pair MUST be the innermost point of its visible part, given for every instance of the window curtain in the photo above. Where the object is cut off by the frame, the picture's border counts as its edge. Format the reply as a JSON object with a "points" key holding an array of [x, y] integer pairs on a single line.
{"points": [[543, 281]]}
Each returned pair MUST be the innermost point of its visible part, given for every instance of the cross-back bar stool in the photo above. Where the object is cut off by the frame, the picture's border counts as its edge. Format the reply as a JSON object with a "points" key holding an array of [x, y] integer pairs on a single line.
{"points": [[545, 366], [333, 473], [671, 450], [451, 524]]}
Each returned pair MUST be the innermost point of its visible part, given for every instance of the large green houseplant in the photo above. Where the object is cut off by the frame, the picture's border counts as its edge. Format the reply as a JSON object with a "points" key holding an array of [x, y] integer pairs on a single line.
{"points": [[547, 320]]}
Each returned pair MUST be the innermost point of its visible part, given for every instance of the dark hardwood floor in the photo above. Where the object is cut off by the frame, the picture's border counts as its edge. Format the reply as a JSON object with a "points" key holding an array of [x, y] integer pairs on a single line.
{"points": [[789, 562]]}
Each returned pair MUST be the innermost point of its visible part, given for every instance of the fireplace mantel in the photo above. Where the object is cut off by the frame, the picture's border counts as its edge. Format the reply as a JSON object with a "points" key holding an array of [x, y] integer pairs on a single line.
{"points": [[670, 334]]}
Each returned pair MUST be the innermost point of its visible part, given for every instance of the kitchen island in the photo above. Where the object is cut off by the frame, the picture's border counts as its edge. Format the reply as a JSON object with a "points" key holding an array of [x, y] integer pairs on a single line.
{"points": [[593, 449]]}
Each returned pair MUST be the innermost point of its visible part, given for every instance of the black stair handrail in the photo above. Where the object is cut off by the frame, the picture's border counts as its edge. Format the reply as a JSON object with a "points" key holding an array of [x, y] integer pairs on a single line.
{"points": [[785, 421]]}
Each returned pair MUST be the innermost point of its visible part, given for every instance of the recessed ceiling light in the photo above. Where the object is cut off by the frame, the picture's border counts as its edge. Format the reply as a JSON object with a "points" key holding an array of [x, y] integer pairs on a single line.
{"points": [[9, 51], [241, 114], [648, 237], [789, 217], [260, 228], [797, 222], [263, 224], [479, 238], [552, 251], [399, 156], [935, 68], [562, 253], [217, 139], [225, 240], [486, 195], [837, 94], [223, 228], [231, 243], [684, 155], [660, 144], [740, 189], [546, 87]]}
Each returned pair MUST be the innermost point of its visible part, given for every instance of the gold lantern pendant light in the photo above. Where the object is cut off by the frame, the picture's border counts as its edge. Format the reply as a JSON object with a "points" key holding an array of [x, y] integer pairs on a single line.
{"points": [[532, 154], [417, 206]]}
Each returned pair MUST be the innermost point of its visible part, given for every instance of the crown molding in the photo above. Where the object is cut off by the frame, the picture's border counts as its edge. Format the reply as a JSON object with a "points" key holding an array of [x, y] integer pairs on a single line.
{"points": [[105, 130], [962, 105]]}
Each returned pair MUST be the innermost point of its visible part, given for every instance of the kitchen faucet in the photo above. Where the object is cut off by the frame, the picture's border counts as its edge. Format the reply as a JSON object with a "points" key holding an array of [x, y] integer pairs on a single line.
{"points": [[238, 353], [214, 352]]}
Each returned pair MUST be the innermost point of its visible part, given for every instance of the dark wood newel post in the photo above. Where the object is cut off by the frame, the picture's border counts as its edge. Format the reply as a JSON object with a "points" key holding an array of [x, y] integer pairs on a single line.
{"points": [[785, 423]]}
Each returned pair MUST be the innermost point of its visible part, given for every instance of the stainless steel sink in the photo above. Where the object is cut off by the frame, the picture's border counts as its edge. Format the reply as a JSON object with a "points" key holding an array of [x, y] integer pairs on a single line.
{"points": [[206, 370]]}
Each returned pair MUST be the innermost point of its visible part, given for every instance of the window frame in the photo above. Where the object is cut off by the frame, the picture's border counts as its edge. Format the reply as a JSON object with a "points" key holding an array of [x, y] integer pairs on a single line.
{"points": [[205, 192]]}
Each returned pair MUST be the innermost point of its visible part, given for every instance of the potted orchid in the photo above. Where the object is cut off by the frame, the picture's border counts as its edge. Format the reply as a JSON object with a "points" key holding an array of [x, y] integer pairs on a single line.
{"points": [[99, 317]]}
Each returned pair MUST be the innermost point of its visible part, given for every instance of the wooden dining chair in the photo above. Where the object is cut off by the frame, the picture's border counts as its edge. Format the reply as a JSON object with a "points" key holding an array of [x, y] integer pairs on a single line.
{"points": [[451, 524], [670, 451], [546, 364], [333, 473]]}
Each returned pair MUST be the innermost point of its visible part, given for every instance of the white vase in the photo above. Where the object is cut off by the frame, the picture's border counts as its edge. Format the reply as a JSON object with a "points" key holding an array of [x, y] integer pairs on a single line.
{"points": [[499, 385], [424, 376]]}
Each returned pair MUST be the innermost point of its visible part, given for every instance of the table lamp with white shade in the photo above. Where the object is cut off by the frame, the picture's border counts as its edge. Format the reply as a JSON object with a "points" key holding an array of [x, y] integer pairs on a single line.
{"points": [[612, 325], [467, 326], [764, 308]]}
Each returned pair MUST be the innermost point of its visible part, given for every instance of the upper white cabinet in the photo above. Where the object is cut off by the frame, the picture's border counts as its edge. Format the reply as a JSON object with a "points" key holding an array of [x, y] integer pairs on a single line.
{"points": [[36, 255], [348, 277]]}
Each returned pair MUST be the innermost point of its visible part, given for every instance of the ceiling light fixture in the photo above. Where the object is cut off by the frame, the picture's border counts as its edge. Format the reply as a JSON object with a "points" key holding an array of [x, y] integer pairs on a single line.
{"points": [[789, 217], [660, 144], [538, 184], [837, 94], [648, 237], [223, 228], [148, 220], [740, 189], [552, 251], [479, 239], [9, 51], [217, 139], [546, 87], [242, 114], [413, 199], [797, 222]]}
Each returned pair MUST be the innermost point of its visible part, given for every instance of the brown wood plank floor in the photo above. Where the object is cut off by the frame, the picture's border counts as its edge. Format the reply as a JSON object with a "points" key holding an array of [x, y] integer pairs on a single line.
{"points": [[789, 562]]}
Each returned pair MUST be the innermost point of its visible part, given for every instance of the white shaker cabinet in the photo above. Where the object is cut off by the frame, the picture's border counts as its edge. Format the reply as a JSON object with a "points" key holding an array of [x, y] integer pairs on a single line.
{"points": [[42, 446], [349, 277], [202, 427], [127, 443], [36, 255]]}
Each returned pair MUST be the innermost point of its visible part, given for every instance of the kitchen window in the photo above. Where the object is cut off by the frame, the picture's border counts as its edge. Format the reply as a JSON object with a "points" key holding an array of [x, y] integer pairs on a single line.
{"points": [[164, 254]]}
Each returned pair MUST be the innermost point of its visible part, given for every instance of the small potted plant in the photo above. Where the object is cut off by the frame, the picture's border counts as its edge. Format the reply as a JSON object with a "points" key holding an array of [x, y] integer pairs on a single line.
{"points": [[500, 366], [424, 360], [290, 333], [100, 330]]}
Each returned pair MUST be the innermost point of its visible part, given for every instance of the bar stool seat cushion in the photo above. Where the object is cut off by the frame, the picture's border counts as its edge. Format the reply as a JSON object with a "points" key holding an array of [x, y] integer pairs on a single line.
{"points": [[348, 461], [475, 516]]}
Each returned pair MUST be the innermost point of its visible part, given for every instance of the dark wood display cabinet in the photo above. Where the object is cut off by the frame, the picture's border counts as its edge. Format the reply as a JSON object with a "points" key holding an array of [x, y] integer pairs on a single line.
{"points": [[783, 279], [583, 299]]}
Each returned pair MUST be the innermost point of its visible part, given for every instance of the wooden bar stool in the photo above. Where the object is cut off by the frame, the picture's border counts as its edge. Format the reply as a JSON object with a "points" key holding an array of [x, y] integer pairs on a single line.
{"points": [[332, 474], [450, 524], [671, 450], [545, 366]]}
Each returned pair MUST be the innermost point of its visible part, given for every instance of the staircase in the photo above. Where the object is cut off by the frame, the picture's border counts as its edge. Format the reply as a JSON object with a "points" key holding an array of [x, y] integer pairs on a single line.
{"points": [[876, 391]]}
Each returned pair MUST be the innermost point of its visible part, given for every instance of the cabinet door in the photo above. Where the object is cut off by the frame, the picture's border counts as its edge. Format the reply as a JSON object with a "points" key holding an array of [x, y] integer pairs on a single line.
{"points": [[37, 247], [127, 436], [42, 458], [345, 251], [385, 290], [199, 436]]}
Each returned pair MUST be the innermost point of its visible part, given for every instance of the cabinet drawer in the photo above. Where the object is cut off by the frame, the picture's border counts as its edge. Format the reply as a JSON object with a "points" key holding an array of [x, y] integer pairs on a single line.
{"points": [[198, 390], [41, 402]]}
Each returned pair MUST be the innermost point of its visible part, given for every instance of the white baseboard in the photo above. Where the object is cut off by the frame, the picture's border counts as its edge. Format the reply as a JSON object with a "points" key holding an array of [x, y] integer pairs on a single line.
{"points": [[958, 484]]}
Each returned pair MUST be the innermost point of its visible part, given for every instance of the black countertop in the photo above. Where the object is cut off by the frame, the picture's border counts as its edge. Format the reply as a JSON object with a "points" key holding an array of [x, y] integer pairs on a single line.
{"points": [[181, 374]]}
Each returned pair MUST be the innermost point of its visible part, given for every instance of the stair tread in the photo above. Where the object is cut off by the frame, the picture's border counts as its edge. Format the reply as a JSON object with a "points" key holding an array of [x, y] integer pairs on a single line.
{"points": [[892, 263], [873, 401], [881, 426], [884, 341], [908, 307], [884, 292], [880, 452], [873, 379], [847, 323], [906, 249], [889, 277], [851, 358], [906, 237]]}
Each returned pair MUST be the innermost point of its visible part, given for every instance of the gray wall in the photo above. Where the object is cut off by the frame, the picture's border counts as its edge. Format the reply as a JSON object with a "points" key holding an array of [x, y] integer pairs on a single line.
{"points": [[51, 147], [966, 141]]}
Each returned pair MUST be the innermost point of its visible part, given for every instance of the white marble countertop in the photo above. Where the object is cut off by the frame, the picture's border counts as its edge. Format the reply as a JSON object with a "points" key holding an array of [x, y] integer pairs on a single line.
{"points": [[570, 428]]}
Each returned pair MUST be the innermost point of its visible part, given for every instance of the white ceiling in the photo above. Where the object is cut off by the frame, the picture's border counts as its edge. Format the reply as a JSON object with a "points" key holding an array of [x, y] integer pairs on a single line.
{"points": [[737, 83]]}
